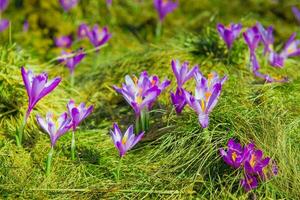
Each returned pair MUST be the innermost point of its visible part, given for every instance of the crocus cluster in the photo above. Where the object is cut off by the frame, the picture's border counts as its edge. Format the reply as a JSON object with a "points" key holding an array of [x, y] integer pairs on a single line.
{"points": [[258, 34], [4, 23], [182, 74], [141, 93], [230, 33], [255, 166]]}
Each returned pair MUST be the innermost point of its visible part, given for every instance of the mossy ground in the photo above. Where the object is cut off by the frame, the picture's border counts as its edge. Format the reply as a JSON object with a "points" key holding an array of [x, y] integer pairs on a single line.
{"points": [[177, 159]]}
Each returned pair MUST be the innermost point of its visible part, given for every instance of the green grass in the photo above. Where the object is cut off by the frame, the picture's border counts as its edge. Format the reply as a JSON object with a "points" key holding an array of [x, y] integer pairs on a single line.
{"points": [[176, 159]]}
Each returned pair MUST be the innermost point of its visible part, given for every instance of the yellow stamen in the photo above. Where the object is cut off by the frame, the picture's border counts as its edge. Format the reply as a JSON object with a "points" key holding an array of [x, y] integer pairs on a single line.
{"points": [[207, 95], [203, 105], [153, 82], [249, 181], [234, 156], [124, 139], [252, 160], [139, 100], [210, 76], [135, 79]]}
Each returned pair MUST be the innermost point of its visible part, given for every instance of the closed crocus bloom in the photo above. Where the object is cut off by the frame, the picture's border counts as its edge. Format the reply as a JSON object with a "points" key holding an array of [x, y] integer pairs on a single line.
{"points": [[249, 182], [235, 155], [108, 2], [3, 5], [266, 37], [71, 60], [230, 33], [97, 36], [141, 93], [25, 26], [252, 38], [55, 129], [164, 7], [78, 113], [291, 47], [182, 72], [4, 23], [37, 87], [178, 100], [63, 41], [82, 31], [207, 93], [276, 60], [296, 13], [124, 142], [68, 4]]}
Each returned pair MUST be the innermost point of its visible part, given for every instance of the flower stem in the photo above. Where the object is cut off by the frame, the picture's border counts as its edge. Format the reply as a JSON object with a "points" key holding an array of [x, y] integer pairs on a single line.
{"points": [[137, 124], [49, 161], [72, 79], [158, 30], [119, 169], [73, 146], [20, 130]]}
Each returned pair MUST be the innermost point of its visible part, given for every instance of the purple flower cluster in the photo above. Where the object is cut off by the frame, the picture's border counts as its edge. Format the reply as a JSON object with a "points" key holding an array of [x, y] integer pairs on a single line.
{"points": [[256, 167], [230, 33], [207, 91]]}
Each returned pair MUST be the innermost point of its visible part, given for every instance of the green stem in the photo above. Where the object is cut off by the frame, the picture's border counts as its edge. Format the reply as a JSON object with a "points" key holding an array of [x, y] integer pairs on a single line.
{"points": [[72, 79], [119, 169], [143, 120], [73, 146], [137, 124], [49, 161], [158, 30], [20, 130]]}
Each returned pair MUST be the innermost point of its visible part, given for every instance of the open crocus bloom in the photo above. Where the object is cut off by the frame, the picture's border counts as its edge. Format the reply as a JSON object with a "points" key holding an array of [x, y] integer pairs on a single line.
{"points": [[3, 5], [124, 142], [182, 72], [164, 7], [230, 33], [249, 182], [252, 38], [266, 37], [235, 155], [63, 41], [206, 96], [291, 47], [4, 23], [37, 87], [78, 113], [255, 163], [71, 60], [98, 37], [68, 4], [141, 93], [55, 129]]}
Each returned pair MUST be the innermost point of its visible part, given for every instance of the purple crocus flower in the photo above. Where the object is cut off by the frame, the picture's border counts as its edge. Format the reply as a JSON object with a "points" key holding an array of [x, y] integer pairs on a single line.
{"points": [[182, 72], [276, 60], [206, 96], [296, 13], [255, 163], [230, 33], [78, 113], [63, 41], [164, 7], [291, 47], [37, 87], [82, 31], [249, 182], [68, 4], [108, 2], [25, 26], [178, 100], [3, 5], [71, 60], [235, 155], [257, 73], [124, 142], [140, 93], [252, 38], [266, 37], [55, 129], [4, 23], [98, 37]]}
